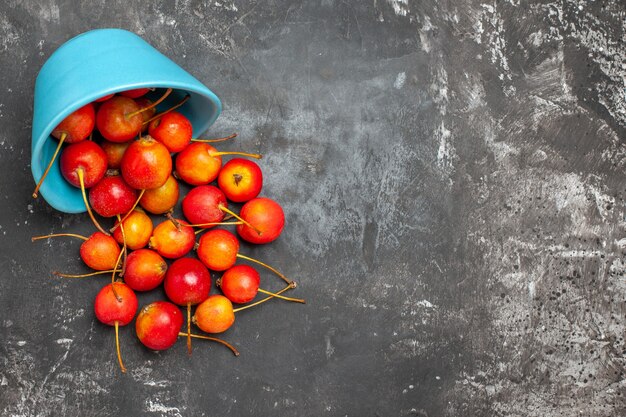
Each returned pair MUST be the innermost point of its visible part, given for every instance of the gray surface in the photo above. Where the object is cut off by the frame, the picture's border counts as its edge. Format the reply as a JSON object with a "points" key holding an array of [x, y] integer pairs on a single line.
{"points": [[453, 175]]}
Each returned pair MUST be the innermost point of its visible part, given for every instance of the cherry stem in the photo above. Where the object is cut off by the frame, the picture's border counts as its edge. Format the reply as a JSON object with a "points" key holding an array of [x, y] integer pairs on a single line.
{"points": [[236, 216], [81, 178], [250, 155], [117, 346], [58, 235], [158, 116], [129, 212], [91, 274], [189, 328], [273, 294], [214, 224], [117, 297], [124, 247], [54, 157], [171, 218], [151, 106], [234, 135], [274, 270], [288, 287], [214, 339]]}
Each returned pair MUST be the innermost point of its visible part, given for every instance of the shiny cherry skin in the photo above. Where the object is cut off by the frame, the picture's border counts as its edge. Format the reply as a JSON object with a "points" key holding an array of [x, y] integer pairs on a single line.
{"points": [[240, 179], [112, 196], [137, 230], [77, 126], [158, 324], [172, 240], [145, 270], [113, 122], [162, 199], [119, 306], [135, 93], [215, 314], [218, 249], [187, 281], [84, 155], [264, 214], [201, 205], [173, 130], [100, 252], [197, 164], [240, 284], [146, 164]]}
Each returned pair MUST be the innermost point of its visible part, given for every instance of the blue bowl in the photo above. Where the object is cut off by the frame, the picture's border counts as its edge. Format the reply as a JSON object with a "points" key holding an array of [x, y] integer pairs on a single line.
{"points": [[95, 64]]}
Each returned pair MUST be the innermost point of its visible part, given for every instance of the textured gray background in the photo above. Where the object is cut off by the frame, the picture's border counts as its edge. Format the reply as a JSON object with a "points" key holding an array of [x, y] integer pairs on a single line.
{"points": [[453, 176]]}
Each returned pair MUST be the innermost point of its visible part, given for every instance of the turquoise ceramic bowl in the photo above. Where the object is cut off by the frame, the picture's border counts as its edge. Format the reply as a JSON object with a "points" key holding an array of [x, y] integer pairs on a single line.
{"points": [[90, 66]]}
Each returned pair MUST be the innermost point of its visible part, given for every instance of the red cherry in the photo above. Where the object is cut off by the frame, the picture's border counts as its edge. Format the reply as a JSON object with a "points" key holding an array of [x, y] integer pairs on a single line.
{"points": [[137, 230], [145, 270], [119, 119], [202, 205], [146, 164], [187, 282], [112, 196], [85, 156], [240, 284], [158, 325], [265, 215], [116, 305], [77, 126], [73, 129], [240, 180], [173, 130]]}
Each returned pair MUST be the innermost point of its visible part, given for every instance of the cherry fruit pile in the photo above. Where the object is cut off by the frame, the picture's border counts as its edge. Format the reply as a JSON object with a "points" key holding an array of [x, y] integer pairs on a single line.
{"points": [[132, 164]]}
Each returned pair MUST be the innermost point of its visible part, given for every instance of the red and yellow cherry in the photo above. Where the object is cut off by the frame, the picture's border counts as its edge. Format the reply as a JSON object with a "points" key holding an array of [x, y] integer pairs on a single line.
{"points": [[240, 179], [215, 314], [137, 230], [266, 216], [218, 250], [116, 305], [162, 199], [112, 196], [120, 118], [135, 93], [187, 283], [158, 325], [73, 129], [146, 164], [98, 251], [173, 238], [200, 163], [173, 130], [114, 152], [83, 164], [145, 270], [240, 284]]}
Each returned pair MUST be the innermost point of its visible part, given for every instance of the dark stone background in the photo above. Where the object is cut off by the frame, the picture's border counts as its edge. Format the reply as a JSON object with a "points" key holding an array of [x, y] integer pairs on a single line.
{"points": [[453, 176]]}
